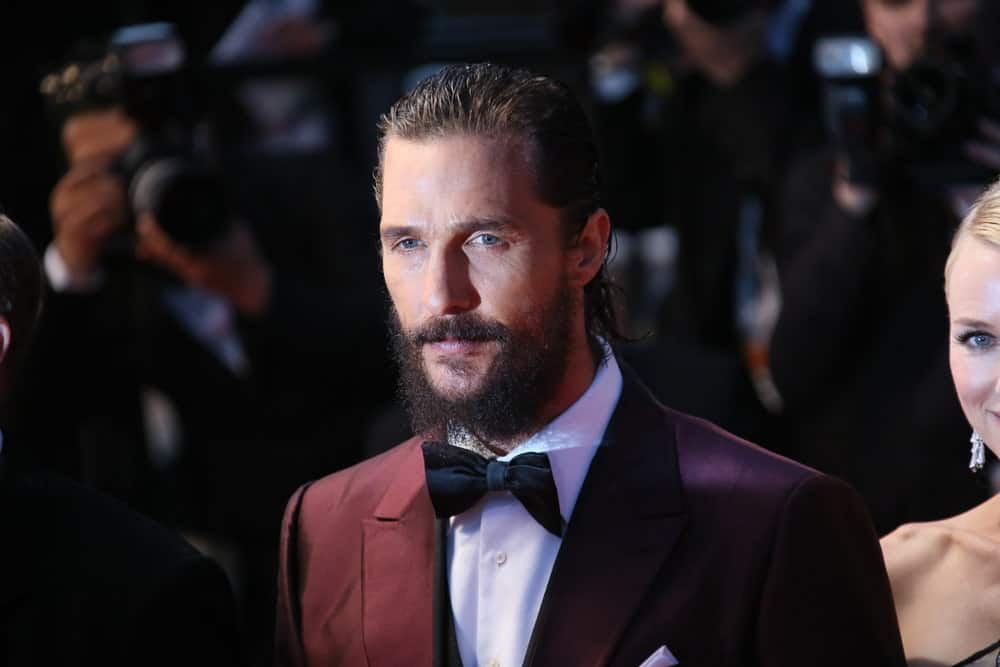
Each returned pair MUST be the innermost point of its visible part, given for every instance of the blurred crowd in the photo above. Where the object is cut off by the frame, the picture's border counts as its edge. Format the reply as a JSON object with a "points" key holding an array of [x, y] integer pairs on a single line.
{"points": [[784, 177]]}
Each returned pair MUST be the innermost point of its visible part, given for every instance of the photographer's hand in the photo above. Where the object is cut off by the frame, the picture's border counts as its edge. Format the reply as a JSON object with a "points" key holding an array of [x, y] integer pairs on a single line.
{"points": [[853, 198], [97, 135], [986, 150], [88, 203], [234, 269], [87, 206]]}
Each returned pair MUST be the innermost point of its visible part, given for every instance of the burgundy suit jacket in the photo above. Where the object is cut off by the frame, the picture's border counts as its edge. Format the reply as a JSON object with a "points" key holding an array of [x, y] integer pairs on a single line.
{"points": [[683, 536]]}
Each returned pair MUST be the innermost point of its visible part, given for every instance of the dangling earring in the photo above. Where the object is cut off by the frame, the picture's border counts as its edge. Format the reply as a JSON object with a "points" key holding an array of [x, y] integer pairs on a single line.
{"points": [[978, 459]]}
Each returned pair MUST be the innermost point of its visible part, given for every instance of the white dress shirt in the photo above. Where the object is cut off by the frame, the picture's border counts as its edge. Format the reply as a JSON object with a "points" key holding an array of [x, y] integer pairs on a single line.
{"points": [[500, 557]]}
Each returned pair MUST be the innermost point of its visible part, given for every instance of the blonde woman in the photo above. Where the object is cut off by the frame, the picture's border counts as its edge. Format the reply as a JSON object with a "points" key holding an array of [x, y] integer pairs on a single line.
{"points": [[945, 575]]}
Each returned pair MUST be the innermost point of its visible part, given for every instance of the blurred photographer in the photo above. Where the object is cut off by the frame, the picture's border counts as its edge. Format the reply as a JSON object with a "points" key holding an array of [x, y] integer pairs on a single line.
{"points": [[89, 206], [867, 224], [192, 360], [89, 581], [724, 126]]}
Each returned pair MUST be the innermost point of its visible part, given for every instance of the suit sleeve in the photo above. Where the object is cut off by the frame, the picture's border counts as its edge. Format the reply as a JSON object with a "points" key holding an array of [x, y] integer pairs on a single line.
{"points": [[288, 650], [826, 597], [824, 251], [189, 619]]}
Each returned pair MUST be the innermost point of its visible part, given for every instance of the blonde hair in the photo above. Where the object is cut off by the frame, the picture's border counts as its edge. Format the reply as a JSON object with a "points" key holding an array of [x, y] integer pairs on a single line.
{"points": [[982, 221]]}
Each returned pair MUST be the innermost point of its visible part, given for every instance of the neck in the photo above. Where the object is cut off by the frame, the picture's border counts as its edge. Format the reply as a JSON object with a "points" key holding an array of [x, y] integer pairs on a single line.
{"points": [[580, 370]]}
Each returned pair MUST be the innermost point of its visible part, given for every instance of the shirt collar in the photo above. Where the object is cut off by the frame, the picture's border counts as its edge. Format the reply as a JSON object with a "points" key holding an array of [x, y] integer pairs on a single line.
{"points": [[572, 438]]}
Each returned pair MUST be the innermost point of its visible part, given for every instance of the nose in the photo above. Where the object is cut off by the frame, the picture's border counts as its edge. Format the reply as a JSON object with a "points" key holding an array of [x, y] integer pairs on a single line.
{"points": [[448, 286]]}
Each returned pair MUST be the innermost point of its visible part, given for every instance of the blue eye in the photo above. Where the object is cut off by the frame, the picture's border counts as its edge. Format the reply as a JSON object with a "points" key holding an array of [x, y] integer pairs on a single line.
{"points": [[976, 340], [487, 239], [407, 244]]}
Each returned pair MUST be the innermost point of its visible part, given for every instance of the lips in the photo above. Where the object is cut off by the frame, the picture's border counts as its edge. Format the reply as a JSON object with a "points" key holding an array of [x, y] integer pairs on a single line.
{"points": [[457, 346]]}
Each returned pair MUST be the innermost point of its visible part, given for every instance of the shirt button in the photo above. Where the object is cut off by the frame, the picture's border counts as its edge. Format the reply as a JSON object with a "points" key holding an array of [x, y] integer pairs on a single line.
{"points": [[501, 559]]}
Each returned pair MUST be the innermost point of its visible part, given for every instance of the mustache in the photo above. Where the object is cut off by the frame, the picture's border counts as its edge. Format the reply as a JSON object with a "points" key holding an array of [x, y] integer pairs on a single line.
{"points": [[463, 327]]}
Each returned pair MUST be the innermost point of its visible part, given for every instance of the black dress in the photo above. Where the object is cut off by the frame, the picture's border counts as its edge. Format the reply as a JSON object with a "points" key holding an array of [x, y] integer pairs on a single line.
{"points": [[988, 657]]}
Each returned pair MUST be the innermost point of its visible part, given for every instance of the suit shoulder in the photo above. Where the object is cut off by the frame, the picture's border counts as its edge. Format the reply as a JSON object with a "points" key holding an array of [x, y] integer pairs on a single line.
{"points": [[724, 471], [98, 546], [116, 582], [703, 445], [102, 528], [359, 486]]}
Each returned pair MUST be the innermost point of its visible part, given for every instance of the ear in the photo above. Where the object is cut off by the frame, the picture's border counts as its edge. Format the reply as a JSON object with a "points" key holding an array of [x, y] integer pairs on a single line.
{"points": [[587, 254], [5, 339]]}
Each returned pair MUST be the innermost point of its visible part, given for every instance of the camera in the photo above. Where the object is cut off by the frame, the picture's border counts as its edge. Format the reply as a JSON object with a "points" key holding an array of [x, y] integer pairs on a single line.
{"points": [[914, 122], [168, 169]]}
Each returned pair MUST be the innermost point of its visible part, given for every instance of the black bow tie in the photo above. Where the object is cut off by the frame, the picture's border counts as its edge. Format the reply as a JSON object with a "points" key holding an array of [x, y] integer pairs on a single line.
{"points": [[457, 478]]}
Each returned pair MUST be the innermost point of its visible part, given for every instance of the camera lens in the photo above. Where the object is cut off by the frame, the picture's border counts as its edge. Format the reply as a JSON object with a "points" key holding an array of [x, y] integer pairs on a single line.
{"points": [[187, 200], [926, 95]]}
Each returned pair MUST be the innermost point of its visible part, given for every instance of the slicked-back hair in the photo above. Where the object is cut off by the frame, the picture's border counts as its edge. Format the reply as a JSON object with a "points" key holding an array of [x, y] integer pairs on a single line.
{"points": [[21, 293], [502, 103]]}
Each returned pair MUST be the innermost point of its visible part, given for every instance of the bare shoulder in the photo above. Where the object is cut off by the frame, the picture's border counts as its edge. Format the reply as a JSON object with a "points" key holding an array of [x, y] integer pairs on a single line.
{"points": [[945, 578], [942, 558], [914, 550]]}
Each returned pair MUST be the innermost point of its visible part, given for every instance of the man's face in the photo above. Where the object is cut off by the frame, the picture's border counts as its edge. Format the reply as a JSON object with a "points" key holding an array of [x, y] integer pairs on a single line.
{"points": [[475, 265], [900, 27], [723, 54]]}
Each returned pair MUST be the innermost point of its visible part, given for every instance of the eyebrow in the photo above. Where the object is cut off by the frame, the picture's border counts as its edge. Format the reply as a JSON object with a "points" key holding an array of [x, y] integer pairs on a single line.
{"points": [[973, 323], [396, 232]]}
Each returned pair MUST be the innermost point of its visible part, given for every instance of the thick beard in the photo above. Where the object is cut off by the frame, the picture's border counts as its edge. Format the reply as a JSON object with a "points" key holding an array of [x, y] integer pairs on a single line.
{"points": [[524, 376]]}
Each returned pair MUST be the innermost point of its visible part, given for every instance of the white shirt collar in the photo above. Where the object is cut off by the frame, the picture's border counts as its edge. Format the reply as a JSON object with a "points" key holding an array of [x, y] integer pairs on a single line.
{"points": [[572, 438]]}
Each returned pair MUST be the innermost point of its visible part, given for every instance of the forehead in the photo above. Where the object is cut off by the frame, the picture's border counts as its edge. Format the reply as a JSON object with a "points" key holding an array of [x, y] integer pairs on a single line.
{"points": [[460, 162], [892, 7], [974, 279], [457, 176]]}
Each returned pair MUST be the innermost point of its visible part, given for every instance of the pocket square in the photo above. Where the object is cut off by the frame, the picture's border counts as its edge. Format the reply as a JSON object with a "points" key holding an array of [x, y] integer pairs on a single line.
{"points": [[662, 657]]}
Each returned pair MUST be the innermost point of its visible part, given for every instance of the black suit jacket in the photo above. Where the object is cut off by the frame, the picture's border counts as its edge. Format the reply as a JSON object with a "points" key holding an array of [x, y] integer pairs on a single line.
{"points": [[85, 581], [856, 403], [682, 536]]}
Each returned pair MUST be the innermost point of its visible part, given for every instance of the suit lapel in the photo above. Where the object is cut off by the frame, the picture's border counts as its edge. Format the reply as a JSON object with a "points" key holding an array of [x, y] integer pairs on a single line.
{"points": [[626, 522], [397, 579]]}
